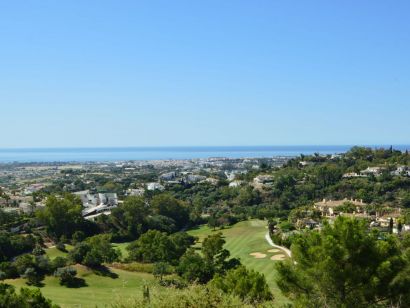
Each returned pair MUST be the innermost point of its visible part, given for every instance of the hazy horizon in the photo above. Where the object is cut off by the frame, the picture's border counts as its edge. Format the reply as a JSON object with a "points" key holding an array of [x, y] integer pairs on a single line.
{"points": [[103, 154]]}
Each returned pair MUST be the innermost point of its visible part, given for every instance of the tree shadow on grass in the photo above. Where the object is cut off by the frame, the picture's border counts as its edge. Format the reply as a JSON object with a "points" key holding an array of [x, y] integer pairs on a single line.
{"points": [[76, 283], [104, 271], [38, 284]]}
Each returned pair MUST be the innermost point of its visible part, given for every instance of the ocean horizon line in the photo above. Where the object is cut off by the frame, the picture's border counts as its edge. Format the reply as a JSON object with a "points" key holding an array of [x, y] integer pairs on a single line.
{"points": [[103, 154], [205, 147]]}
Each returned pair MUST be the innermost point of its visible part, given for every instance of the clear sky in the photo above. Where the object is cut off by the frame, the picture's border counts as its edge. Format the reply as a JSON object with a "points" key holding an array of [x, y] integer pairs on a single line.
{"points": [[214, 72]]}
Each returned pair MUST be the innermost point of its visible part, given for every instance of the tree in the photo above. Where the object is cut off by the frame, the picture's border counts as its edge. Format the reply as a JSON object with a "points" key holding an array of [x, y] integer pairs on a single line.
{"points": [[62, 216], [193, 268], [213, 246], [26, 299], [131, 215], [391, 225], [67, 275], [161, 269], [24, 262], [247, 196], [182, 241], [78, 236], [58, 262], [399, 226], [94, 251], [152, 246], [344, 265], [38, 250], [247, 284], [167, 205], [215, 255], [212, 222], [32, 276]]}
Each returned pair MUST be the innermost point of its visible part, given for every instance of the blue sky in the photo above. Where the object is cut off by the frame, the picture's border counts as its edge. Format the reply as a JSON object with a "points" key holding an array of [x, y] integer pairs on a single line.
{"points": [[169, 73]]}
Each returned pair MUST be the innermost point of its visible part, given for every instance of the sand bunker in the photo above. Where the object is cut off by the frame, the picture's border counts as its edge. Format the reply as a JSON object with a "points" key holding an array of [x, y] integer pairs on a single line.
{"points": [[278, 257], [258, 255], [274, 250]]}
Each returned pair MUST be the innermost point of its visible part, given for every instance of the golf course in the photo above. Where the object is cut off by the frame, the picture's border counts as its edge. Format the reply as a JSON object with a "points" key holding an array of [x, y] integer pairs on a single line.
{"points": [[99, 291], [245, 240]]}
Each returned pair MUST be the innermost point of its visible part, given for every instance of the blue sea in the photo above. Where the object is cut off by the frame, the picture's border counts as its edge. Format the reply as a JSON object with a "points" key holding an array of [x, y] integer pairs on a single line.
{"points": [[162, 153]]}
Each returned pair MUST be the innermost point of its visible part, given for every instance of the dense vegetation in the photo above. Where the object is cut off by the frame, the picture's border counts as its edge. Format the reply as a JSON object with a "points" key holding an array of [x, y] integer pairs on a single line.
{"points": [[345, 264]]}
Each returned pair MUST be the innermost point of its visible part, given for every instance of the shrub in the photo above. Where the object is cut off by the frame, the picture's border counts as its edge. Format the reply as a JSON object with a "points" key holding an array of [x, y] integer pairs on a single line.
{"points": [[61, 246], [161, 269], [94, 251], [59, 262], [38, 250], [66, 275], [194, 296], [247, 284], [174, 283], [26, 299], [32, 276], [9, 270]]}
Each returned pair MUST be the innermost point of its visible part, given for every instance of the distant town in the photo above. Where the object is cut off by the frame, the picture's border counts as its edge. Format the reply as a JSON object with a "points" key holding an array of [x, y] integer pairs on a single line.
{"points": [[101, 186]]}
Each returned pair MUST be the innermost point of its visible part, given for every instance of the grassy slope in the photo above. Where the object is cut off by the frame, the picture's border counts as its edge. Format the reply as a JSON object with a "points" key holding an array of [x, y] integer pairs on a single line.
{"points": [[53, 252], [100, 291], [244, 238]]}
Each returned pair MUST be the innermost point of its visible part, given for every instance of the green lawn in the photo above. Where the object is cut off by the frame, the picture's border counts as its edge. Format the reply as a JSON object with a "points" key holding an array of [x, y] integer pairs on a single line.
{"points": [[244, 238], [53, 252], [100, 291]]}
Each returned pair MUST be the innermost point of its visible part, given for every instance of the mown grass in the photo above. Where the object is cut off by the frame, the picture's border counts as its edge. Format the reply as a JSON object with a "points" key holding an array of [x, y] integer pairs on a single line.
{"points": [[53, 252], [244, 238], [101, 291]]}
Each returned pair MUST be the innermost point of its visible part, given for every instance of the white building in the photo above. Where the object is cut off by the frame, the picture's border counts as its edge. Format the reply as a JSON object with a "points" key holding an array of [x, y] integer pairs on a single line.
{"points": [[236, 183], [136, 192], [169, 176], [97, 203], [376, 171], [155, 186]]}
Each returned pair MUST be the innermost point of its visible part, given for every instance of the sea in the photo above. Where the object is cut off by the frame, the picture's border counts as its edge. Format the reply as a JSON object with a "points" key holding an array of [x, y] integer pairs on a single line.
{"points": [[110, 154]]}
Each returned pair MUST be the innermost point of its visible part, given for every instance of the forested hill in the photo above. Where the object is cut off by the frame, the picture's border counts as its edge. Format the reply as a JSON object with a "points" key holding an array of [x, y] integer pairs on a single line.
{"points": [[375, 176]]}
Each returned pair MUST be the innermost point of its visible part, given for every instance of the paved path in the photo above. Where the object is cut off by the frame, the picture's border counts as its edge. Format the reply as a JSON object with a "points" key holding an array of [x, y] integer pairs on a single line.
{"points": [[287, 251]]}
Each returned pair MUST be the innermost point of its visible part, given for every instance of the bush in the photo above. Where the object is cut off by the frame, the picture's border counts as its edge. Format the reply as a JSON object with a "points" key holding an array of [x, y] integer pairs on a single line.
{"points": [[9, 270], [78, 236], [61, 246], [193, 268], [94, 251], [66, 275], [23, 262], [26, 299], [247, 284], [173, 283], [59, 262], [161, 269], [194, 296], [32, 276], [38, 250], [42, 264]]}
